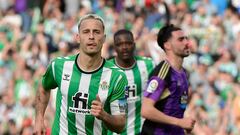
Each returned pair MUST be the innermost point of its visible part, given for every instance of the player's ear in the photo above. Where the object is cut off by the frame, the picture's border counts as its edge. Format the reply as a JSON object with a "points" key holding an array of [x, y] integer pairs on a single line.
{"points": [[77, 38], [104, 38], [167, 45], [134, 45]]}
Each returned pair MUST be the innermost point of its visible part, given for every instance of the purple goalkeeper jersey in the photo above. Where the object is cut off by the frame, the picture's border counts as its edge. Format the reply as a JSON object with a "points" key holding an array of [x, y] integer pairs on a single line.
{"points": [[169, 89]]}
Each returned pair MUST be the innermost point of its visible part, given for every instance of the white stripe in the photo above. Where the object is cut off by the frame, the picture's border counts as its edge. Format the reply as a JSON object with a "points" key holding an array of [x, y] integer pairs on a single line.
{"points": [[67, 57], [53, 69], [144, 72], [102, 92], [80, 118], [144, 77], [131, 106], [67, 69]]}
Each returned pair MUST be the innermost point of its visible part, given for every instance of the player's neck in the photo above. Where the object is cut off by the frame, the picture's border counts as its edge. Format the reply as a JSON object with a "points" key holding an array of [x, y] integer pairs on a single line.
{"points": [[175, 62], [128, 64], [89, 63]]}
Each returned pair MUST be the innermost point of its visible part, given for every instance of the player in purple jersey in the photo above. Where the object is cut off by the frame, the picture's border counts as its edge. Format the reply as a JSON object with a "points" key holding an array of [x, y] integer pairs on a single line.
{"points": [[166, 94]]}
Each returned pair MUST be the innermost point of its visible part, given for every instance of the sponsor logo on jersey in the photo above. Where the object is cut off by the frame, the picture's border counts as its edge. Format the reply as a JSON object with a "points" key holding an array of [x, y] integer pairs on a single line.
{"points": [[183, 100], [80, 111], [80, 101], [126, 91], [152, 86], [133, 99], [132, 93]]}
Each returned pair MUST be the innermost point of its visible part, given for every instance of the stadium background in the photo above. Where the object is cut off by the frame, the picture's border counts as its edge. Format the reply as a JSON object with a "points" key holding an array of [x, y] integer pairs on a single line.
{"points": [[32, 32]]}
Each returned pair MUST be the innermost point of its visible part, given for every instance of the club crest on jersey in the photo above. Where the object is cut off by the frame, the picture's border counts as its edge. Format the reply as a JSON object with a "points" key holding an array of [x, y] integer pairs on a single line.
{"points": [[104, 85], [152, 86]]}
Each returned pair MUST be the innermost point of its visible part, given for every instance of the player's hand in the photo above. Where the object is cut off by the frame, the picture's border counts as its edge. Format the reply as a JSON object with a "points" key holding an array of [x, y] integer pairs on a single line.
{"points": [[187, 123], [97, 108], [39, 127]]}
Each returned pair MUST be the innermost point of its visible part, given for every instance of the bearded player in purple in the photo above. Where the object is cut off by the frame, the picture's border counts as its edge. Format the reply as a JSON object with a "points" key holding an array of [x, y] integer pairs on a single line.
{"points": [[166, 94]]}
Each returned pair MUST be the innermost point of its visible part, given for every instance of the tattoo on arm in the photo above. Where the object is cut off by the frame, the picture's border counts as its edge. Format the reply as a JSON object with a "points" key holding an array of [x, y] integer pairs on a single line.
{"points": [[41, 101]]}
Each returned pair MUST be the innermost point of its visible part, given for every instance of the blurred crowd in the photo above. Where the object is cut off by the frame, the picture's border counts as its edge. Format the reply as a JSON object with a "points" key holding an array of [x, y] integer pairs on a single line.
{"points": [[33, 32]]}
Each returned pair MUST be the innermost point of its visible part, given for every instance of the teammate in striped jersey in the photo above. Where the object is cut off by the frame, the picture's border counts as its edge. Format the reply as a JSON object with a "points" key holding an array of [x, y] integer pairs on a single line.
{"points": [[91, 91], [166, 95], [137, 70]]}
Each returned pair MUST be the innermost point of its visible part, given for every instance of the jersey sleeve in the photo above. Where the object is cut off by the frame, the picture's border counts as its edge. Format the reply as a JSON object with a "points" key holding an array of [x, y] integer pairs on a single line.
{"points": [[118, 98], [156, 88], [48, 79]]}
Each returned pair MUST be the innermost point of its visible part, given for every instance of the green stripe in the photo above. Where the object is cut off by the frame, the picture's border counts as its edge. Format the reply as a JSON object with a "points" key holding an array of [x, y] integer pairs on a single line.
{"points": [[104, 130], [93, 90], [73, 88], [138, 82], [56, 127]]}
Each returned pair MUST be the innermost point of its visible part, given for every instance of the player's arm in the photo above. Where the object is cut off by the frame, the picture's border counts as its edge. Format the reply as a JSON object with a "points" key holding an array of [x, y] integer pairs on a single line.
{"points": [[116, 120], [114, 123], [42, 99], [151, 113], [156, 91]]}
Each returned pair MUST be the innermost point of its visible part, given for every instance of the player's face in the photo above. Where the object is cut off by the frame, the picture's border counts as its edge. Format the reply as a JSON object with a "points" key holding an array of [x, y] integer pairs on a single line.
{"points": [[124, 46], [180, 44], [91, 36]]}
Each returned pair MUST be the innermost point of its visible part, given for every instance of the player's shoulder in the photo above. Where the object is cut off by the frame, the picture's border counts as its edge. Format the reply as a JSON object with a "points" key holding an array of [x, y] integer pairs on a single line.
{"points": [[161, 70], [143, 58], [62, 59], [111, 66], [111, 60], [116, 71]]}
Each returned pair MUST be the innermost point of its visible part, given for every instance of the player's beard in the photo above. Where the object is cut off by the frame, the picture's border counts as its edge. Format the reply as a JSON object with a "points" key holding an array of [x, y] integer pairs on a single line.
{"points": [[184, 53]]}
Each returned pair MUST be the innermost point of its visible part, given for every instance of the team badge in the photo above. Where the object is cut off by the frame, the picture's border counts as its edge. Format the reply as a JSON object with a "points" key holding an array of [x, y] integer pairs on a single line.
{"points": [[183, 100], [152, 86], [104, 85]]}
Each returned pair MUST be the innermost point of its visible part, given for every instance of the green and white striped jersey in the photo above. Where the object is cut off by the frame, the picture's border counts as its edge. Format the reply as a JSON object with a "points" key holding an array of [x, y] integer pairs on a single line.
{"points": [[77, 89], [137, 77]]}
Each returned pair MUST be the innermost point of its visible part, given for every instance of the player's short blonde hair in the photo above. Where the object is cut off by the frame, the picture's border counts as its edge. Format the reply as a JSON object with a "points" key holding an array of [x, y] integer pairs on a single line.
{"points": [[91, 16]]}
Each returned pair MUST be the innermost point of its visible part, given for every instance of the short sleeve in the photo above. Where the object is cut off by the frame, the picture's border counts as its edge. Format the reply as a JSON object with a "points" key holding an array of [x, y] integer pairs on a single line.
{"points": [[48, 79], [154, 89], [118, 98]]}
